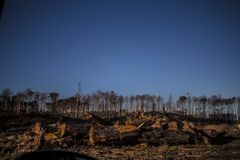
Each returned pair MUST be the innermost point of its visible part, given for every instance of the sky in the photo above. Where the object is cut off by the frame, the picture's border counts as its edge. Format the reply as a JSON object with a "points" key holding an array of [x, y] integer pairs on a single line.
{"points": [[130, 46]]}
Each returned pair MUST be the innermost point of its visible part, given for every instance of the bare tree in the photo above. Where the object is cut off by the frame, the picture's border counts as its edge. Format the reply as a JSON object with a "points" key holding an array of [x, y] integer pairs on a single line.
{"points": [[169, 104], [182, 102], [6, 96], [203, 101], [20, 98], [54, 96], [238, 108], [43, 99], [159, 103], [120, 103]]}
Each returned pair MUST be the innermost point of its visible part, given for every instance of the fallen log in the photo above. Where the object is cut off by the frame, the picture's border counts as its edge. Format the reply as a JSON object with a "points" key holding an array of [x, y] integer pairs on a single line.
{"points": [[213, 130], [178, 137], [151, 136]]}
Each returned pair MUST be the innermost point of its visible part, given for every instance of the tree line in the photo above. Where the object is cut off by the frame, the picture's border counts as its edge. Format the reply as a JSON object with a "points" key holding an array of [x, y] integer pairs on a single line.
{"points": [[109, 104]]}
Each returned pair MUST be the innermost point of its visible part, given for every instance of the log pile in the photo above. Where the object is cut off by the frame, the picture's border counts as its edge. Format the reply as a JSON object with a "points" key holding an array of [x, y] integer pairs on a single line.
{"points": [[161, 130], [141, 128]]}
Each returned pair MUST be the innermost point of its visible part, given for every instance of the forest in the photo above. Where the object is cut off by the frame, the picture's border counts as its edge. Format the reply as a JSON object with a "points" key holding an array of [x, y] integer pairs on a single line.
{"points": [[111, 104], [106, 125]]}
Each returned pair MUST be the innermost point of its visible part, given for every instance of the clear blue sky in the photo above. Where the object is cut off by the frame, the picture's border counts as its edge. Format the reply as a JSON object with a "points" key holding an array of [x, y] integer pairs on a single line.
{"points": [[129, 46]]}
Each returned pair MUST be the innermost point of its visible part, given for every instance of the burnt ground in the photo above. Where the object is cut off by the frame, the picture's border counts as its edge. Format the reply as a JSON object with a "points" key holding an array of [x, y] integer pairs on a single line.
{"points": [[19, 133]]}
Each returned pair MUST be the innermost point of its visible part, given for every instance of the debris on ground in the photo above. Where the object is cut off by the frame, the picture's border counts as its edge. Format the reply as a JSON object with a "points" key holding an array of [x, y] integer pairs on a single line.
{"points": [[139, 136]]}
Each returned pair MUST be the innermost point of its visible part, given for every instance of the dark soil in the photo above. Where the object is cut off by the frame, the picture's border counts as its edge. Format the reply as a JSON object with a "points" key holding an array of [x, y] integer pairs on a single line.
{"points": [[17, 135]]}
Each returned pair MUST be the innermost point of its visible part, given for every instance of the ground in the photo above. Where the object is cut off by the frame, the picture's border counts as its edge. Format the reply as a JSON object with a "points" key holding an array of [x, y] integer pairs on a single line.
{"points": [[19, 134]]}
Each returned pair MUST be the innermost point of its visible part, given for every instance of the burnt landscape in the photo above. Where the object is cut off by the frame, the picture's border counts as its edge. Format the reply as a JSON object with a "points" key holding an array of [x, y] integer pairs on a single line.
{"points": [[119, 79], [144, 136], [107, 129]]}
